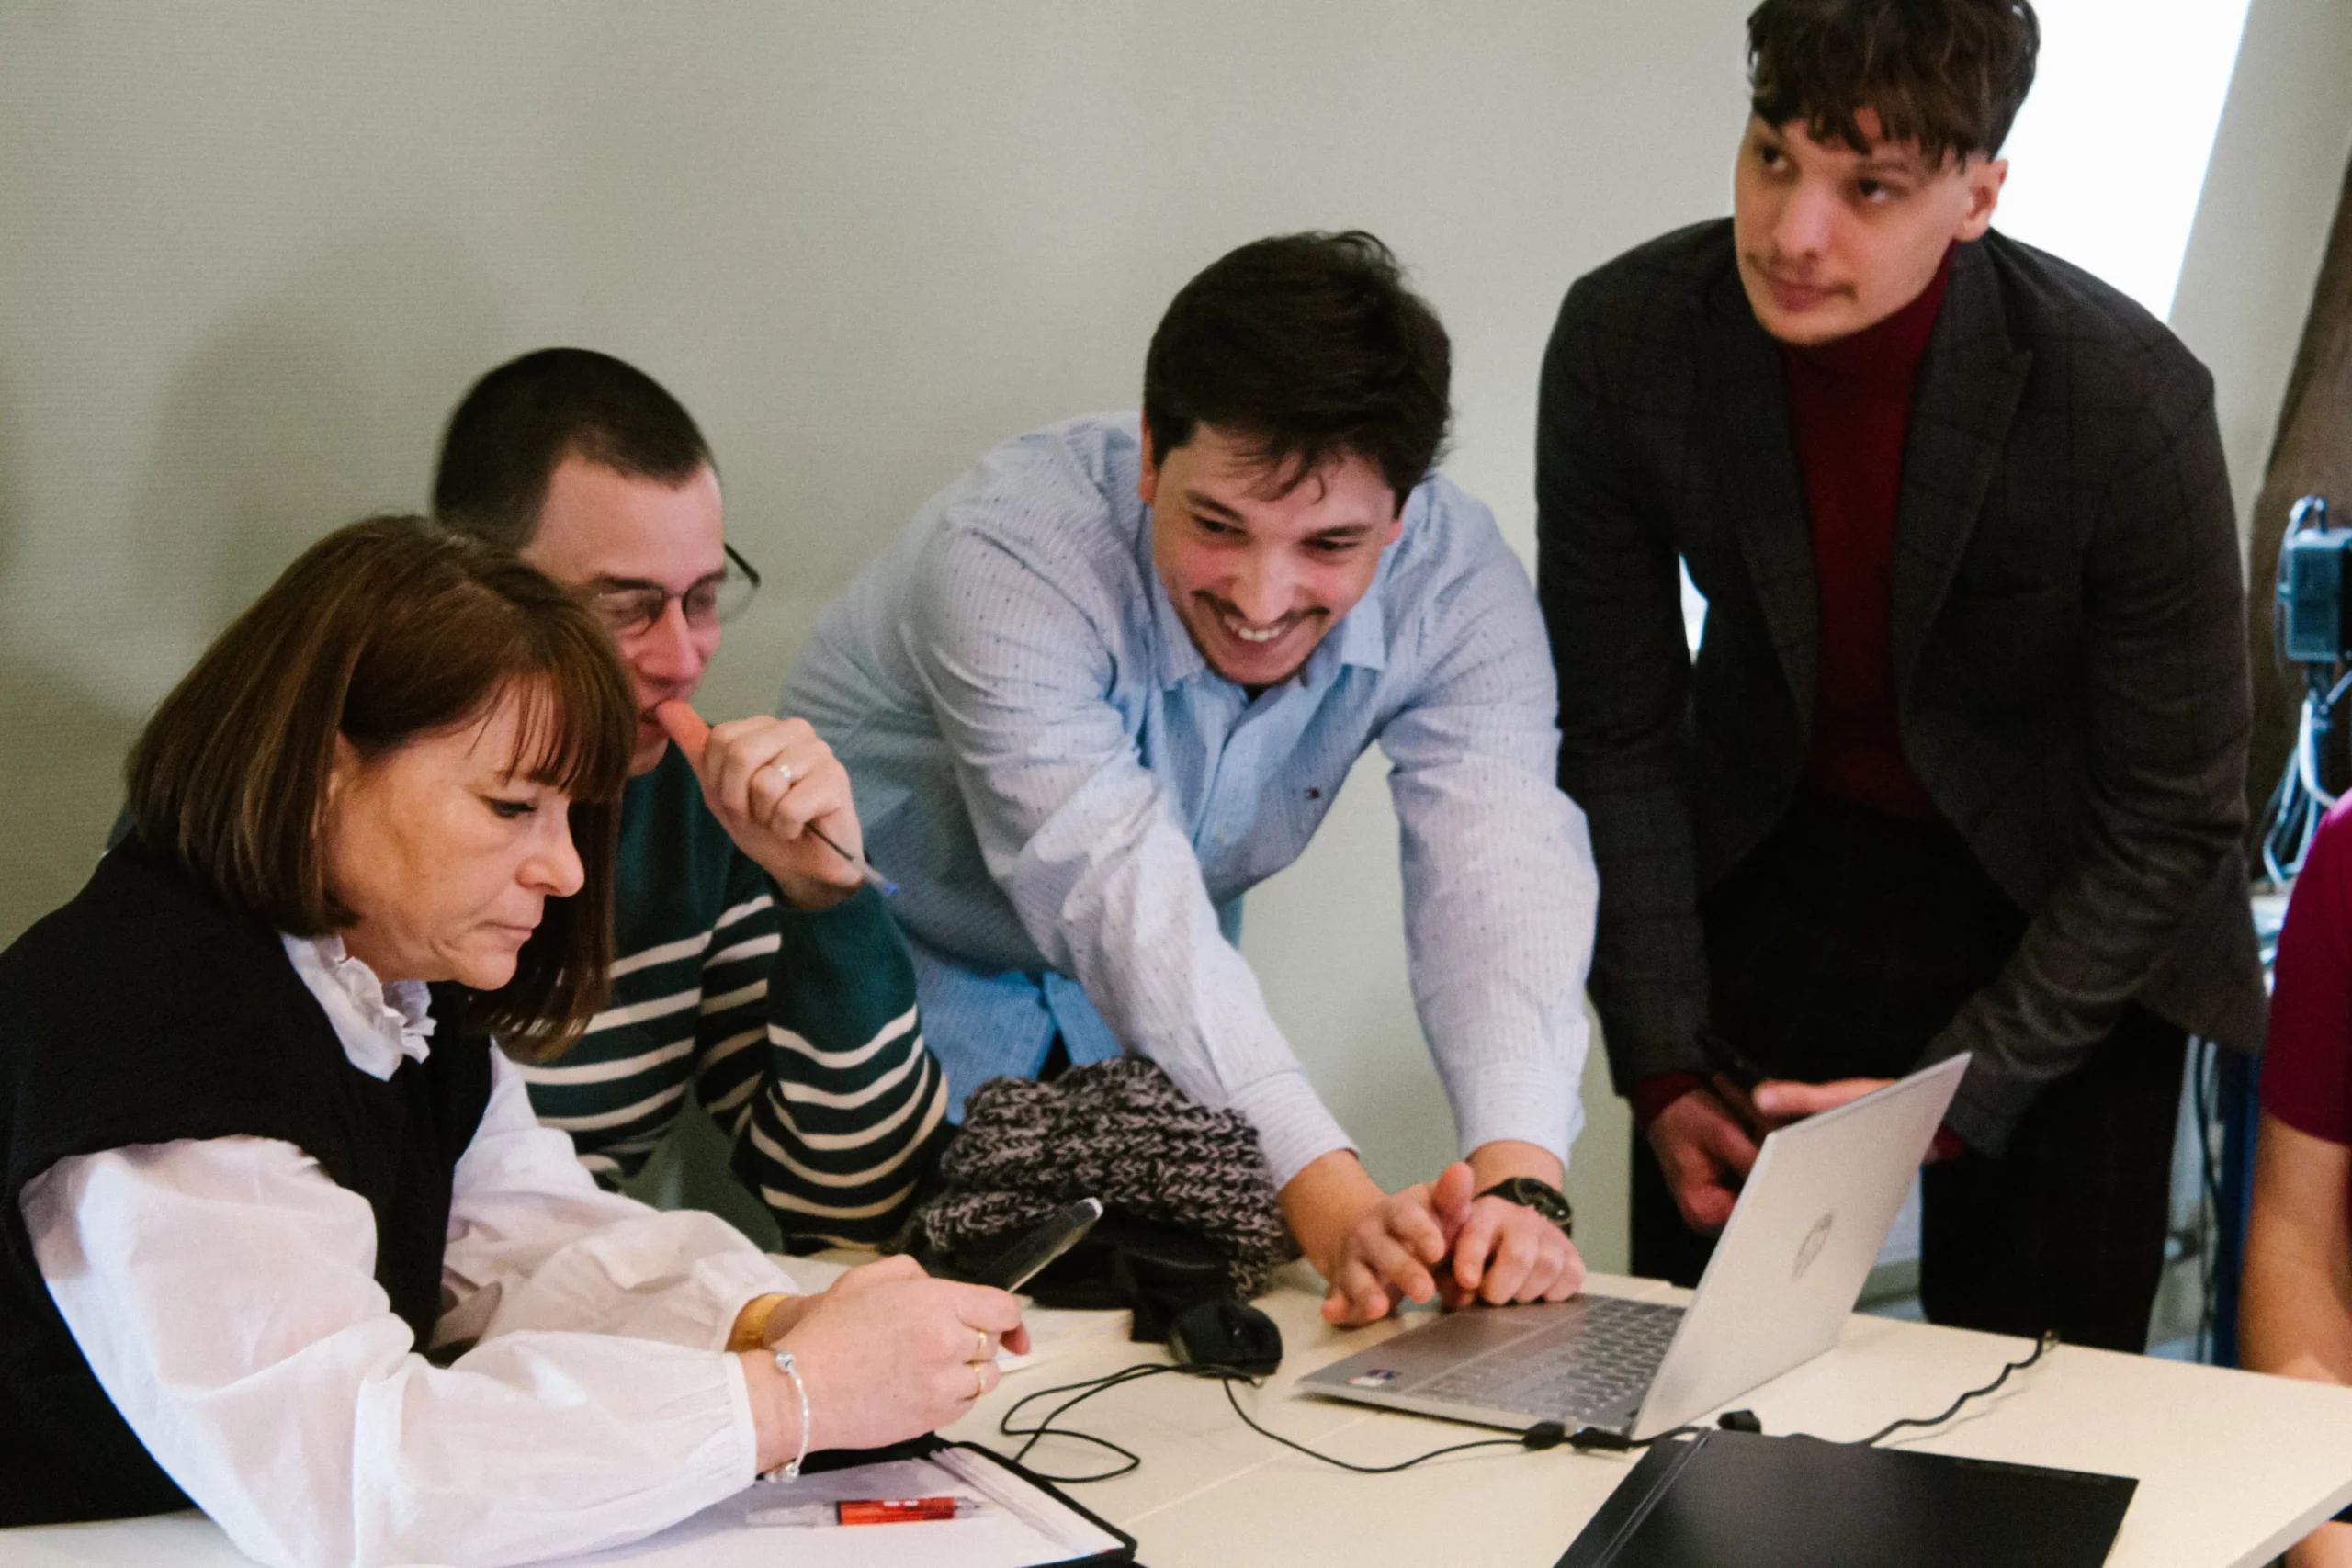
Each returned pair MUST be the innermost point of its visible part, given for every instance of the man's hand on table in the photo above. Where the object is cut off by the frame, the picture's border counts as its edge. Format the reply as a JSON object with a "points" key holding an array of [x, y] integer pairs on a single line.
{"points": [[1437, 1239]]}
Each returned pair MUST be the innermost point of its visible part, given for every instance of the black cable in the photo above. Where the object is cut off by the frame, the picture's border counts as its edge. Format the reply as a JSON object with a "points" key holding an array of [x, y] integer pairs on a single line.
{"points": [[2040, 1348], [1086, 1390], [1599, 1440], [1542, 1434], [2292, 815], [1517, 1442], [2205, 1080]]}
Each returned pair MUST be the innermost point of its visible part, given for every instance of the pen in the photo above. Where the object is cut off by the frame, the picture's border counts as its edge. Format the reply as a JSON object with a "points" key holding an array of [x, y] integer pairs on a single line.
{"points": [[873, 878], [1730, 1060], [692, 732], [868, 1511]]}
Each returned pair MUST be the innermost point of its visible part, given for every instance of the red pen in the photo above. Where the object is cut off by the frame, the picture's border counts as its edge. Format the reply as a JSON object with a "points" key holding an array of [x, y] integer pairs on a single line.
{"points": [[869, 1511]]}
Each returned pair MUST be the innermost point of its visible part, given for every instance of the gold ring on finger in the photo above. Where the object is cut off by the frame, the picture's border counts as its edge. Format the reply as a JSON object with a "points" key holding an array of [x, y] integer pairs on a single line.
{"points": [[982, 1352], [784, 771], [979, 1380]]}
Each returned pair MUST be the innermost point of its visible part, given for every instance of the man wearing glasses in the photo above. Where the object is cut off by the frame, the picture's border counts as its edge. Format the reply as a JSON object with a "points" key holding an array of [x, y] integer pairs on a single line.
{"points": [[749, 960]]}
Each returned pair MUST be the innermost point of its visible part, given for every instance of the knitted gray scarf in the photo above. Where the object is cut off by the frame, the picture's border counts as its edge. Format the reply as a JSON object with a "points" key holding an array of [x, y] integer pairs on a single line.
{"points": [[1121, 1132]]}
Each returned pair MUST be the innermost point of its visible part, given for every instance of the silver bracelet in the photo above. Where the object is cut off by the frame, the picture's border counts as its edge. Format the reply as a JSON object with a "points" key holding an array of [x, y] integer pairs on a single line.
{"points": [[792, 1472]]}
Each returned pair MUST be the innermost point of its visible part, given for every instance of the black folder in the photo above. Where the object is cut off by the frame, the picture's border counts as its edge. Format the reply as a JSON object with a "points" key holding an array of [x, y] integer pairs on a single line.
{"points": [[1012, 1477], [1742, 1500]]}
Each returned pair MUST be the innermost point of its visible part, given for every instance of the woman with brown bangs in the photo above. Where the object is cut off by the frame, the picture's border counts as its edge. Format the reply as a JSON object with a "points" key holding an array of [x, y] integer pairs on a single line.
{"points": [[260, 1158]]}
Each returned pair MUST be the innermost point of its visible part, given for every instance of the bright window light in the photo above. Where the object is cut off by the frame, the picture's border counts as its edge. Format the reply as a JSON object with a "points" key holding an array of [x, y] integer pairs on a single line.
{"points": [[2108, 155]]}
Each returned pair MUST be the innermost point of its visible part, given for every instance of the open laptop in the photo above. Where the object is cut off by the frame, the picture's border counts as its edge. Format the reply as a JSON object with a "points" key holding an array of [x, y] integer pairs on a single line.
{"points": [[1809, 1223]]}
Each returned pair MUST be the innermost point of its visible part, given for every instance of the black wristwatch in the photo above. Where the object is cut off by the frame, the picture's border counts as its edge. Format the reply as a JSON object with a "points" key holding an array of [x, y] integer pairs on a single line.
{"points": [[1541, 1196]]}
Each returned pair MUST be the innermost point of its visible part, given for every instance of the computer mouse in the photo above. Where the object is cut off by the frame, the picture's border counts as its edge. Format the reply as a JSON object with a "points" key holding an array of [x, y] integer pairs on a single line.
{"points": [[1225, 1334]]}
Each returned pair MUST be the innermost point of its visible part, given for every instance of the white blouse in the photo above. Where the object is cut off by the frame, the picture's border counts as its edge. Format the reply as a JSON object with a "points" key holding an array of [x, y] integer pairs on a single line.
{"points": [[223, 1291]]}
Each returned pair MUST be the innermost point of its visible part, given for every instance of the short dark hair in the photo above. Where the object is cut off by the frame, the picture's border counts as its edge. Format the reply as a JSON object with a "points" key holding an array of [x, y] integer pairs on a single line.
{"points": [[1946, 76], [383, 631], [1305, 347], [518, 423]]}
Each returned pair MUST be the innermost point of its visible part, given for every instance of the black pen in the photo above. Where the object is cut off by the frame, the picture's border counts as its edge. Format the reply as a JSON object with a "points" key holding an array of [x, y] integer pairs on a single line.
{"points": [[1730, 1060], [873, 878], [693, 732]]}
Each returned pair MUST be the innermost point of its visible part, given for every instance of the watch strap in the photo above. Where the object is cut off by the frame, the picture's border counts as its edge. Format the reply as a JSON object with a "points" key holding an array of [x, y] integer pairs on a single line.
{"points": [[1541, 1196]]}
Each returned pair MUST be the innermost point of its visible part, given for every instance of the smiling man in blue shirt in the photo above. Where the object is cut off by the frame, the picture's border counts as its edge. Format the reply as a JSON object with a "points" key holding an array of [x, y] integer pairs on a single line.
{"points": [[1114, 676]]}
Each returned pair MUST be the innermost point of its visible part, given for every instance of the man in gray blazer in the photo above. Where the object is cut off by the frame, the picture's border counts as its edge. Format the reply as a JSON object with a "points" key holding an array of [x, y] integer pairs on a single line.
{"points": [[1959, 764]]}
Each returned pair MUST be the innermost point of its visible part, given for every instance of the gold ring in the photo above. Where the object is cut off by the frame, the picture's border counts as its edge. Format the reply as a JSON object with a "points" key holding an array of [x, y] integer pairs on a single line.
{"points": [[979, 1380], [981, 1354], [783, 769]]}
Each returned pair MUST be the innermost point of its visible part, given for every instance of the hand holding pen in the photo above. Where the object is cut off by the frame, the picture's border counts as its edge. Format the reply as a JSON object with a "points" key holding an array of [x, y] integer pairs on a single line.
{"points": [[783, 796]]}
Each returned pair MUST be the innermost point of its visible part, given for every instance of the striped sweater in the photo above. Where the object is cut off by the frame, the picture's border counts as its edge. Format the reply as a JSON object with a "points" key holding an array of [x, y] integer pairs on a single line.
{"points": [[797, 1030]]}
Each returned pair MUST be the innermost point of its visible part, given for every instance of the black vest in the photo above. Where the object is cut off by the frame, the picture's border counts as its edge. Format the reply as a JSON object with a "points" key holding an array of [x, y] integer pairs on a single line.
{"points": [[144, 1011]]}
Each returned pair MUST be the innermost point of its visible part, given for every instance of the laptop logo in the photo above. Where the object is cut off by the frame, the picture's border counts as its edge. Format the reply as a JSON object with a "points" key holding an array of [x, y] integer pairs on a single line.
{"points": [[1374, 1377], [1815, 1239]]}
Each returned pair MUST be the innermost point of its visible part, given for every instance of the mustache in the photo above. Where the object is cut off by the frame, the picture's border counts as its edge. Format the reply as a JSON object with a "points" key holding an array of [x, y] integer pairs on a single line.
{"points": [[1224, 608]]}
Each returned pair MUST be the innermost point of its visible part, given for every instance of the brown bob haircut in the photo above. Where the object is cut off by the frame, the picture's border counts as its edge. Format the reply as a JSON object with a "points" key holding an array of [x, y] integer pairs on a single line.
{"points": [[386, 630], [1947, 76]]}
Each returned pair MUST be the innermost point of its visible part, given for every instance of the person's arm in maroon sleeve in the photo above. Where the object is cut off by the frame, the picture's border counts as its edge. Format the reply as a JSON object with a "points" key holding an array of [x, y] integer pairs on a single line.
{"points": [[2307, 1062], [2296, 1307]]}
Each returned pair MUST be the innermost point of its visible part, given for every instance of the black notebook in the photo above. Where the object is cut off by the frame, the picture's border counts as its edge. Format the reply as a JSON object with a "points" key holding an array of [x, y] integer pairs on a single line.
{"points": [[1741, 1500]]}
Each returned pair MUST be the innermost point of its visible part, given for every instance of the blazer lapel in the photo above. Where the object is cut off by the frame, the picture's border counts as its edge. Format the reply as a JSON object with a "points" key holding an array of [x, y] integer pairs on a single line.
{"points": [[1970, 381], [1757, 484]]}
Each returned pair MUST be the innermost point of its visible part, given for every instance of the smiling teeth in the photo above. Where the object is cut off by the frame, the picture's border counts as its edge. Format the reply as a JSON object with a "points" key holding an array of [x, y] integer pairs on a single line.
{"points": [[1246, 635]]}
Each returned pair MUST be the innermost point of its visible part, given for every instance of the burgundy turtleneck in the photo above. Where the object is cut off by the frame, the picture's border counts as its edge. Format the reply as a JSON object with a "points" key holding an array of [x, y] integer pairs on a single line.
{"points": [[1850, 406]]}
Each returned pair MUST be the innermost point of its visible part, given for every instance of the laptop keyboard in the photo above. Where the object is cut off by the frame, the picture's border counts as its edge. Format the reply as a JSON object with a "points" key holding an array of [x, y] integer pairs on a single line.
{"points": [[1597, 1362]]}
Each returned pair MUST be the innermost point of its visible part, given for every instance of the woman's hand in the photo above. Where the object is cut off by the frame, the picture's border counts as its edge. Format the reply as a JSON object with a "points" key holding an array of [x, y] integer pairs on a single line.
{"points": [[887, 1353]]}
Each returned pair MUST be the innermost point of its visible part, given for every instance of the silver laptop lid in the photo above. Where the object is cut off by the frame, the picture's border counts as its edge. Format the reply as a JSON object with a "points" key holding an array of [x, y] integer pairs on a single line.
{"points": [[1811, 1219]]}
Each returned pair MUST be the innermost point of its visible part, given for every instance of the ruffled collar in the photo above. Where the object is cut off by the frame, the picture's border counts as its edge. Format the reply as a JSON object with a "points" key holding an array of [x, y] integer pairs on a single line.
{"points": [[378, 1024]]}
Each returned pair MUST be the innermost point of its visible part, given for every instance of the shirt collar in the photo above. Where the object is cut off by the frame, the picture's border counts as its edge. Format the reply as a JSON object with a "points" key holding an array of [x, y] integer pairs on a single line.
{"points": [[377, 1024]]}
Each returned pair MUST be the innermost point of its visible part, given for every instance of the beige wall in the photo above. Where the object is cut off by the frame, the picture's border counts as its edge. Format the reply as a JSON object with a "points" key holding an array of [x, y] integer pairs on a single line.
{"points": [[249, 254]]}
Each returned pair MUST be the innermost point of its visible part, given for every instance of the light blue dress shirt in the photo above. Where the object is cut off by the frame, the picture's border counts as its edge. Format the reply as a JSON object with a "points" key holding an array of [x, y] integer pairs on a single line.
{"points": [[1073, 802]]}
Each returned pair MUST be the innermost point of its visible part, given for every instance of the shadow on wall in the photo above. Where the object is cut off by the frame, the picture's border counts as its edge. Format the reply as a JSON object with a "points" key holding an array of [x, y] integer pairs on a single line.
{"points": [[310, 406], [309, 409], [60, 765]]}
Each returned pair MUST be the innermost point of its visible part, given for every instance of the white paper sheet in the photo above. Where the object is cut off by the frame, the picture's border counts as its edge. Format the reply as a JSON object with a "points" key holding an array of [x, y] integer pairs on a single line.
{"points": [[1023, 1527]]}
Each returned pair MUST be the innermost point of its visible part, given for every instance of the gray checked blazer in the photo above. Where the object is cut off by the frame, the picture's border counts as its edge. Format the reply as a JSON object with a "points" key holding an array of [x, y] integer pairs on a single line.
{"points": [[2068, 637]]}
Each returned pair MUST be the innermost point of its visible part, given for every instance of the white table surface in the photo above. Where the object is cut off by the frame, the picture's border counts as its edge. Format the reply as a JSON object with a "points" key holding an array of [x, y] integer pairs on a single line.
{"points": [[2232, 1467]]}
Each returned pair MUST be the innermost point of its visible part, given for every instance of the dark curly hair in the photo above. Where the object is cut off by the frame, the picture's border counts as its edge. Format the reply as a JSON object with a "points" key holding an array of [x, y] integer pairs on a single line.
{"points": [[1946, 76], [1305, 347]]}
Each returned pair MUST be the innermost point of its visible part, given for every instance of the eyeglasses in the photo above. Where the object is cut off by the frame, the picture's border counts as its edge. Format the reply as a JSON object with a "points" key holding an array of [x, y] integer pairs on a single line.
{"points": [[718, 597]]}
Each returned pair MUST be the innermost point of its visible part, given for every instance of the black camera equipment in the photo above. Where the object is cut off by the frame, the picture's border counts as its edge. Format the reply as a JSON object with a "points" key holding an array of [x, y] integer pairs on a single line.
{"points": [[2308, 621]]}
